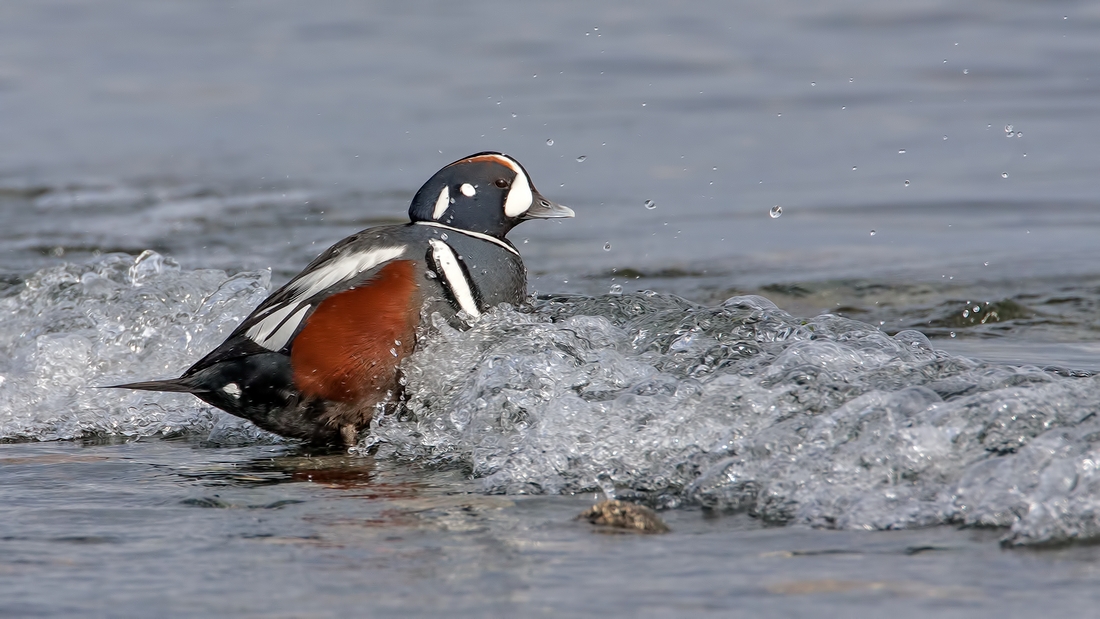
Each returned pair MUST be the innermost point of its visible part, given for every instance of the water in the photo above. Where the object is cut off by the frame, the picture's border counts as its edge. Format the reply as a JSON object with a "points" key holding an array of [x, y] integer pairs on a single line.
{"points": [[830, 421]]}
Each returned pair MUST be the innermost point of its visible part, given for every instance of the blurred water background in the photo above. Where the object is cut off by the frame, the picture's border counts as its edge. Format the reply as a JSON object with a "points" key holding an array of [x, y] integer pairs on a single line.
{"points": [[912, 430]]}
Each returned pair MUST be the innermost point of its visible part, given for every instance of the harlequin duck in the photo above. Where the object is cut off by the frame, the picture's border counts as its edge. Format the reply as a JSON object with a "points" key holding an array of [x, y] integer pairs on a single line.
{"points": [[316, 358]]}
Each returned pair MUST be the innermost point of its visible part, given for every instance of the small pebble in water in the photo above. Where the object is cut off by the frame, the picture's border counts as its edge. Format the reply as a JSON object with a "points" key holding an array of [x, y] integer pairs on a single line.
{"points": [[616, 290], [581, 158], [650, 204], [549, 142], [776, 211], [607, 246], [626, 516]]}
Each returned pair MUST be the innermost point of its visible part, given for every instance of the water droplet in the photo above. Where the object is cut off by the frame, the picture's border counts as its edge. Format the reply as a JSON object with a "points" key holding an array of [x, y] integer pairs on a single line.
{"points": [[907, 183], [714, 169], [1004, 174], [901, 151], [513, 114], [985, 263], [1008, 128], [854, 168], [851, 79], [952, 334], [872, 233], [776, 211], [443, 236], [813, 83], [616, 290], [966, 313], [945, 137], [525, 241], [650, 204], [977, 308], [965, 72], [582, 158], [393, 351], [549, 142], [1019, 134], [607, 246]]}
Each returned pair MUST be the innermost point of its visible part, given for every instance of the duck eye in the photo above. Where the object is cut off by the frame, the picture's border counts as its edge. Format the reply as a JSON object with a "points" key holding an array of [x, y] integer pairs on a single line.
{"points": [[500, 182]]}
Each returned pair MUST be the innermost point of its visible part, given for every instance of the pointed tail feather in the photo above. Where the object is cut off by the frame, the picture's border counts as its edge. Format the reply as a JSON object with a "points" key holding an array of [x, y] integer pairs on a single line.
{"points": [[176, 385]]}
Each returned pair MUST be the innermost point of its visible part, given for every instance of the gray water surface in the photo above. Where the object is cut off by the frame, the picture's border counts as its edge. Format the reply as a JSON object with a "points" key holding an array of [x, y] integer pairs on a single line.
{"points": [[930, 158]]}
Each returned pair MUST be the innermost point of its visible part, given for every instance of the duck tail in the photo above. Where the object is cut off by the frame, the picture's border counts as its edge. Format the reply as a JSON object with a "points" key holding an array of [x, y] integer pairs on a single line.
{"points": [[175, 385]]}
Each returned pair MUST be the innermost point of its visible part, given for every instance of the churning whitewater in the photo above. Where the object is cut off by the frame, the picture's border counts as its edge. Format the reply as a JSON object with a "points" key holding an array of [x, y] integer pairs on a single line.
{"points": [[739, 408]]}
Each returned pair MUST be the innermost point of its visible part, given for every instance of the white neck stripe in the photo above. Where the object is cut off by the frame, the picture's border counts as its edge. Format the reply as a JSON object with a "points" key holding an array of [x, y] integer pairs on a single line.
{"points": [[441, 203], [484, 237]]}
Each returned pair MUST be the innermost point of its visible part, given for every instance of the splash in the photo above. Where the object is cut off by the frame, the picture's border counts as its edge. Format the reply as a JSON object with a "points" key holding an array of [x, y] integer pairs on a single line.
{"points": [[739, 407], [742, 407], [69, 329]]}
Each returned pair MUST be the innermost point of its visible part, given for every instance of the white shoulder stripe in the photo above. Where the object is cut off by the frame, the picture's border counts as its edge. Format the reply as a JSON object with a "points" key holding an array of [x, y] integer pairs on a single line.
{"points": [[479, 235], [447, 262], [275, 330]]}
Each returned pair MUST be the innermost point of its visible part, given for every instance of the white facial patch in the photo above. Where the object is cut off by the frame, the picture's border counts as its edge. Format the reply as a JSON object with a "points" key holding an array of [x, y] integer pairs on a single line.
{"points": [[467, 190], [282, 320], [441, 203], [447, 263], [519, 196]]}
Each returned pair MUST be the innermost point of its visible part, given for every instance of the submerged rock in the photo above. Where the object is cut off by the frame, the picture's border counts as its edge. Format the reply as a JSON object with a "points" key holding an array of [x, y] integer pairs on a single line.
{"points": [[625, 516]]}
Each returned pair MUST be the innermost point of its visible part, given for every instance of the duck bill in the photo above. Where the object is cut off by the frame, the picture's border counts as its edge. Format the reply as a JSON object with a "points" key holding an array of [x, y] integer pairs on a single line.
{"points": [[541, 208]]}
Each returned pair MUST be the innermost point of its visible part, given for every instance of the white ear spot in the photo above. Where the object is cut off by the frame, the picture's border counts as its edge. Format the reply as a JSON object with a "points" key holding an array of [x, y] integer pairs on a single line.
{"points": [[467, 190], [441, 203]]}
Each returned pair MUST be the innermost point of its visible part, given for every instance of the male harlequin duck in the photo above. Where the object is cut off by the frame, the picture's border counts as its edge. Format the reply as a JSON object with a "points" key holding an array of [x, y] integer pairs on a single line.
{"points": [[315, 359]]}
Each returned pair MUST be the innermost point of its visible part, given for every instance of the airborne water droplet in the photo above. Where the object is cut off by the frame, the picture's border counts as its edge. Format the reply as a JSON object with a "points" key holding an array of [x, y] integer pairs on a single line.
{"points": [[616, 290], [1004, 174], [776, 211], [607, 246], [901, 151], [582, 158], [854, 168], [550, 142], [907, 183], [443, 236], [650, 204], [872, 233]]}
